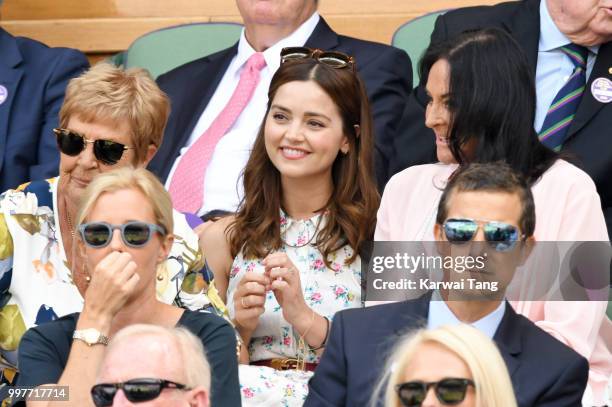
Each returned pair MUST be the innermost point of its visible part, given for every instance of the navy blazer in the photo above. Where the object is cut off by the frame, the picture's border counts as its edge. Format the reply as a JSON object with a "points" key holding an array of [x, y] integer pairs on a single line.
{"points": [[590, 133], [33, 78], [385, 70], [544, 372]]}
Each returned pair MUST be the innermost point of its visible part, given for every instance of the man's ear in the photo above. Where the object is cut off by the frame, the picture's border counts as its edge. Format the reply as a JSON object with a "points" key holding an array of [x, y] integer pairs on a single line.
{"points": [[198, 397]]}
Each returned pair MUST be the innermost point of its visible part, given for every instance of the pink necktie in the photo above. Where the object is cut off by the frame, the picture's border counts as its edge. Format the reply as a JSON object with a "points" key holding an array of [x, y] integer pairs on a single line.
{"points": [[186, 187]]}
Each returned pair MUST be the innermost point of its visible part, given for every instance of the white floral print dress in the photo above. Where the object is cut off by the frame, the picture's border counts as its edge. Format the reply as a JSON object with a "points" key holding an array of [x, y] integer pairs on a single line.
{"points": [[326, 290]]}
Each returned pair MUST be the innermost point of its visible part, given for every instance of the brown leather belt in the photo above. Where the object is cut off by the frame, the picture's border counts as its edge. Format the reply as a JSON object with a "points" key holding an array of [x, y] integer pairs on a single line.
{"points": [[284, 364]]}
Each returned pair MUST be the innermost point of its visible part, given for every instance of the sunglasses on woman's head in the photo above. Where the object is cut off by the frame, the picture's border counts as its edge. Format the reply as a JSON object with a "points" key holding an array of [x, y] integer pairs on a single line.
{"points": [[501, 236], [133, 234], [333, 59], [72, 143], [449, 391], [135, 390]]}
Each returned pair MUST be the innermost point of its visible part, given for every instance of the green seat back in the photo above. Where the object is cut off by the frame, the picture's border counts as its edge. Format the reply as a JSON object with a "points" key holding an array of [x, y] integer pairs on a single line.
{"points": [[413, 37], [164, 49]]}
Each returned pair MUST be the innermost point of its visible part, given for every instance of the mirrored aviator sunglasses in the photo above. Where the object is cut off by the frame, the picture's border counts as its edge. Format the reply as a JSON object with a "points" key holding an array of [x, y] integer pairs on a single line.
{"points": [[501, 236], [133, 234], [135, 390], [106, 151], [450, 391], [334, 59]]}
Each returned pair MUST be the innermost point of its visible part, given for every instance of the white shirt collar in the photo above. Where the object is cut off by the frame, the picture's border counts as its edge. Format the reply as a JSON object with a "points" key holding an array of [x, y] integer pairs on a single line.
{"points": [[272, 55], [551, 38], [440, 314]]}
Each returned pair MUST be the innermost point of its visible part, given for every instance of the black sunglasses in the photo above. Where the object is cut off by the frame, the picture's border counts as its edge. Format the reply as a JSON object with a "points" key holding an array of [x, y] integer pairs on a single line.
{"points": [[449, 391], [501, 236], [133, 234], [136, 390], [72, 143], [333, 59]]}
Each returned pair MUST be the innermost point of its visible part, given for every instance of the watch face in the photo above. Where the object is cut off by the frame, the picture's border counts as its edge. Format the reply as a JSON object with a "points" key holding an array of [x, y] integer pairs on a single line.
{"points": [[91, 335]]}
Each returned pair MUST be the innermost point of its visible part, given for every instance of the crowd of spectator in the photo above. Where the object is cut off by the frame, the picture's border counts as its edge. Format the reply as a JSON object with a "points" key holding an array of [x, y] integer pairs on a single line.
{"points": [[204, 239]]}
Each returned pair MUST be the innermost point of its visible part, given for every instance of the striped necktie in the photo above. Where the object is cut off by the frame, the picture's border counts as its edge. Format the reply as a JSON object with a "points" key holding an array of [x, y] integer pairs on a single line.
{"points": [[564, 106]]}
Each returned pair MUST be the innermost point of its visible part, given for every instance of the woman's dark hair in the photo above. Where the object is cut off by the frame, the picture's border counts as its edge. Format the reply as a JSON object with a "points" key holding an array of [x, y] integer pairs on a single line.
{"points": [[492, 101], [351, 209]]}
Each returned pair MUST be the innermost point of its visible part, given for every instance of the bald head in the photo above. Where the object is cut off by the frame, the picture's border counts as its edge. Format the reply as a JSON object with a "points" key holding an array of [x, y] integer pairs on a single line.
{"points": [[146, 351]]}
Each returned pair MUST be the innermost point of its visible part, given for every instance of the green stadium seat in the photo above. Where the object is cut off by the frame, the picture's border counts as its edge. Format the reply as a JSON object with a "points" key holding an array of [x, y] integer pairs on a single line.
{"points": [[413, 37], [162, 50]]}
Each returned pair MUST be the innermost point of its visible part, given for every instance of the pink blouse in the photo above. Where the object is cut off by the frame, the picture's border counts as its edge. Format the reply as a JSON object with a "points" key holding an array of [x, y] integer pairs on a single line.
{"points": [[567, 207]]}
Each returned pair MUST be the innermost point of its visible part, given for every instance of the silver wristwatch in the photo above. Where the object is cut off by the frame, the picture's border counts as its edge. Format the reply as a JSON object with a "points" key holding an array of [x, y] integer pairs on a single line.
{"points": [[90, 336]]}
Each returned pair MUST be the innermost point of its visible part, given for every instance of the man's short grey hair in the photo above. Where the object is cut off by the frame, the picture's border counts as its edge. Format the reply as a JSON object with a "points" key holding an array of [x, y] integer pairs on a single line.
{"points": [[190, 351]]}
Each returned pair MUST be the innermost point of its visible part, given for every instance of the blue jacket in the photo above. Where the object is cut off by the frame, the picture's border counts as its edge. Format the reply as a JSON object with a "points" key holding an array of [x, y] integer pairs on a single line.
{"points": [[544, 372], [33, 78]]}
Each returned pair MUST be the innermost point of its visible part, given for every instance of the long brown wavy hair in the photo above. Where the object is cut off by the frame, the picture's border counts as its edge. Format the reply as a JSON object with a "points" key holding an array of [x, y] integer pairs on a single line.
{"points": [[351, 209]]}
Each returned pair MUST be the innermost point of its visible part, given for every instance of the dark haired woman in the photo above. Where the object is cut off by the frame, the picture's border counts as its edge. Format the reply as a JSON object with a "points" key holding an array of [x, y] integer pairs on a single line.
{"points": [[481, 108], [288, 260]]}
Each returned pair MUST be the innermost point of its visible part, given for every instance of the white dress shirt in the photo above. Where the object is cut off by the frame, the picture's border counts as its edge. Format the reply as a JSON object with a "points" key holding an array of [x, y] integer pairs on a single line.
{"points": [[554, 67], [223, 187], [439, 315]]}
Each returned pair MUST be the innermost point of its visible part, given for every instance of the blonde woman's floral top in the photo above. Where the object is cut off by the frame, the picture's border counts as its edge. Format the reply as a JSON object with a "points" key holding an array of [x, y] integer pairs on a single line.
{"points": [[326, 290], [36, 285]]}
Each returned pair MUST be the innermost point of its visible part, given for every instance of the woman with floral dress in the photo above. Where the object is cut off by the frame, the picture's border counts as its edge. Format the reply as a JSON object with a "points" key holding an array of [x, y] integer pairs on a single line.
{"points": [[289, 259], [110, 118]]}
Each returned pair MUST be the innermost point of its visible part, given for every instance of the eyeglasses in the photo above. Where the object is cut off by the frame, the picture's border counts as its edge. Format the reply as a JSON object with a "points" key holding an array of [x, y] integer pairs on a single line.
{"points": [[501, 236], [449, 391], [136, 390], [133, 234], [72, 143], [333, 59]]}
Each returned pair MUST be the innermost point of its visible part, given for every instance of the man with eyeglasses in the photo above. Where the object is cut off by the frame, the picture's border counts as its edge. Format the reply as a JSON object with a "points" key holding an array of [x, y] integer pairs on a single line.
{"points": [[486, 208], [219, 101], [149, 363]]}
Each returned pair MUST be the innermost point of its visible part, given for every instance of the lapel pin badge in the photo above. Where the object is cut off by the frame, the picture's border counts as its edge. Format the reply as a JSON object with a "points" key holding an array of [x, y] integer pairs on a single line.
{"points": [[601, 89], [3, 94]]}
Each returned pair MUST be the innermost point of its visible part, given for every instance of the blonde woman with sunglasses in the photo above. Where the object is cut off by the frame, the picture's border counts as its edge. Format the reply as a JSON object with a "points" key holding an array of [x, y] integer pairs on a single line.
{"points": [[448, 366], [124, 226]]}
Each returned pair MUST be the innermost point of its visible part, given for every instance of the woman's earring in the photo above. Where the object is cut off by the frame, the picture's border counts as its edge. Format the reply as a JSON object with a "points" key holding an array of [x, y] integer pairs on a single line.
{"points": [[357, 130]]}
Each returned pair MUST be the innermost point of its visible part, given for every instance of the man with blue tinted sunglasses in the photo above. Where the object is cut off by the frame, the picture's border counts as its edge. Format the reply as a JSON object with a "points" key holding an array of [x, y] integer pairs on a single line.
{"points": [[486, 208]]}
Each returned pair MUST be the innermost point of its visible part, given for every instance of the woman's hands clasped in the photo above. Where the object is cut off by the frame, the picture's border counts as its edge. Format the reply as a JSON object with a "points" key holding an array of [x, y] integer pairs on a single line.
{"points": [[287, 286]]}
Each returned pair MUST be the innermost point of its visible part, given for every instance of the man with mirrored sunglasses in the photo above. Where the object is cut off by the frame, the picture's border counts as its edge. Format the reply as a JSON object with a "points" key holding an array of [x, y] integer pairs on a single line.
{"points": [[153, 364], [485, 208]]}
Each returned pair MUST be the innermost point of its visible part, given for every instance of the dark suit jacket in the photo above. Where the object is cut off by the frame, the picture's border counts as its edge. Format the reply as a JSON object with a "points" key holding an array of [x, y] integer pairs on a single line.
{"points": [[590, 134], [544, 372], [34, 77], [386, 72]]}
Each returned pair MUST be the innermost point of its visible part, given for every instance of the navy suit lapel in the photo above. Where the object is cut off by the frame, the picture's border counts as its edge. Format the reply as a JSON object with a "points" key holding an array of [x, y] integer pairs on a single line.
{"points": [[323, 37], [524, 26], [589, 106], [508, 340], [413, 315], [10, 76]]}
